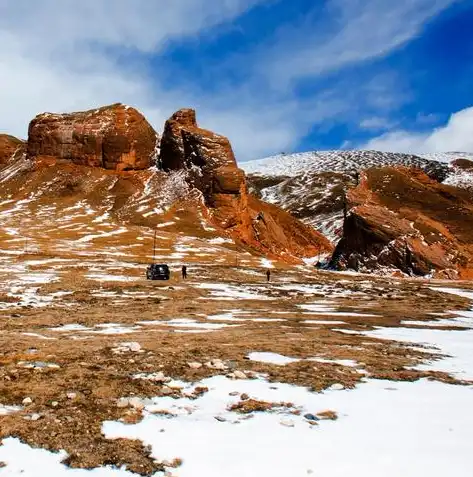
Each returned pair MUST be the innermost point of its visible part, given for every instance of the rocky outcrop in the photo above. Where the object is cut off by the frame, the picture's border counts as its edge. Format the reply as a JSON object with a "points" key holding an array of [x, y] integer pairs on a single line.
{"points": [[402, 219], [10, 148], [464, 164], [115, 137], [210, 166]]}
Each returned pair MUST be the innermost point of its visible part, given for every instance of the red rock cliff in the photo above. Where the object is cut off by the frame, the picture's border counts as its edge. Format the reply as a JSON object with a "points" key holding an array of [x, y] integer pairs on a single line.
{"points": [[399, 218], [211, 167], [115, 137]]}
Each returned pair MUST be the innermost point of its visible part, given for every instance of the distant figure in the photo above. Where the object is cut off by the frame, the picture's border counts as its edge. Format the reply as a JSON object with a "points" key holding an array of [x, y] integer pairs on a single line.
{"points": [[268, 274], [184, 272]]}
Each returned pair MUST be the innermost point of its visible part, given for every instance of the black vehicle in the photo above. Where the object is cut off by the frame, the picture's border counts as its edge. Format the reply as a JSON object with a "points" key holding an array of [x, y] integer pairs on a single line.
{"points": [[158, 271]]}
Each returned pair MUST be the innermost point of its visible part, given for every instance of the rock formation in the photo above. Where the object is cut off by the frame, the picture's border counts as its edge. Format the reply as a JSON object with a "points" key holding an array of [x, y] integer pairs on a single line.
{"points": [[400, 218], [464, 164], [211, 167], [10, 148], [115, 137]]}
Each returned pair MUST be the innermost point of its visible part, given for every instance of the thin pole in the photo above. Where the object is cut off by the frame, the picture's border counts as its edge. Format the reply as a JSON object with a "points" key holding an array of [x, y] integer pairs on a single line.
{"points": [[154, 246]]}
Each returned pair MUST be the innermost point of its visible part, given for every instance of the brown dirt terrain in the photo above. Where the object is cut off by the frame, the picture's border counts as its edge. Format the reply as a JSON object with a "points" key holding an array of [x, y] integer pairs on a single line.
{"points": [[85, 338], [85, 360]]}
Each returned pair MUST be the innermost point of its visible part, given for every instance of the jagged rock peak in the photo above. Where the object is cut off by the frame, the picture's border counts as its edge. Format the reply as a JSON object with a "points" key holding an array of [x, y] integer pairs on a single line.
{"points": [[115, 137], [184, 145], [185, 117]]}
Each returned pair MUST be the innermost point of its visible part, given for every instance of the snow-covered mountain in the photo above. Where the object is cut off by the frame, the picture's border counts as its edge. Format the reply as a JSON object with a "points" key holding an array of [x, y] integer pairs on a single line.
{"points": [[291, 165], [311, 185]]}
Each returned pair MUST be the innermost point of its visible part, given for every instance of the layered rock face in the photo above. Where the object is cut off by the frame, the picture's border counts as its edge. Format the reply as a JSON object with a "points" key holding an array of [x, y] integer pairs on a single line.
{"points": [[400, 218], [115, 137], [210, 165], [10, 148]]}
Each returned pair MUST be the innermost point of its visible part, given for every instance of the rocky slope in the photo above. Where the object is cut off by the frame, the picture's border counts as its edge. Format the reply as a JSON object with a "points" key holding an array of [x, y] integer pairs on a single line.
{"points": [[10, 148], [400, 218], [210, 167], [103, 167], [312, 185]]}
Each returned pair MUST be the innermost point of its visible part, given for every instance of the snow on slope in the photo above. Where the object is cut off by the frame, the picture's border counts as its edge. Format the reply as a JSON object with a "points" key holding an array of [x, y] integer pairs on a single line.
{"points": [[310, 185], [447, 156], [336, 161]]}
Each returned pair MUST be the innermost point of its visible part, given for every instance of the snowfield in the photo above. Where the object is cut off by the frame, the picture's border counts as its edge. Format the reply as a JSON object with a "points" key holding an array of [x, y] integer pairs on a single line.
{"points": [[382, 427], [291, 165]]}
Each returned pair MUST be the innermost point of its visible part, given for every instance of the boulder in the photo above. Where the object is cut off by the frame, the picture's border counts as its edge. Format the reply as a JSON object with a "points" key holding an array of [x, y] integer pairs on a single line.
{"points": [[115, 137]]}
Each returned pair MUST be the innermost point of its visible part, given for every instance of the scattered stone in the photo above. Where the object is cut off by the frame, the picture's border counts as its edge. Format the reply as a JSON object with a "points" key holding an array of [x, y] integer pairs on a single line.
{"points": [[287, 423], [327, 415], [35, 417], [220, 419], [234, 393], [216, 364], [244, 397], [200, 390], [311, 417], [136, 403], [337, 387], [132, 346], [166, 391], [239, 374], [158, 377], [71, 395], [123, 402], [194, 365], [54, 404], [27, 401]]}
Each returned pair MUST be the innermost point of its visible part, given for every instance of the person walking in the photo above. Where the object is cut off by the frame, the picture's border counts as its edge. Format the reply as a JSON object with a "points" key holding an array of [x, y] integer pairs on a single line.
{"points": [[184, 272], [268, 275]]}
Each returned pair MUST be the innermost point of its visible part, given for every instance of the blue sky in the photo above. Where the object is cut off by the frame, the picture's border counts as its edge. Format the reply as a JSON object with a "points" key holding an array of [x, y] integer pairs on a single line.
{"points": [[272, 75]]}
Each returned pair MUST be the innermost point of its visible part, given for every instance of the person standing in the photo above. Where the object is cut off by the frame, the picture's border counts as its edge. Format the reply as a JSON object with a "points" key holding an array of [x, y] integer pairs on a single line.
{"points": [[268, 275], [184, 272]]}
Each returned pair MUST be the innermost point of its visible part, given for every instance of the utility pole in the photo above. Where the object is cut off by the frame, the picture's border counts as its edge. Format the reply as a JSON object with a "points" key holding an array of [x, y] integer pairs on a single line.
{"points": [[154, 246]]}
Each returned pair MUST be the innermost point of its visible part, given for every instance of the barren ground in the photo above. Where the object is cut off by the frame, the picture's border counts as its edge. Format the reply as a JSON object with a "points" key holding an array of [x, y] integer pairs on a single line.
{"points": [[81, 329]]}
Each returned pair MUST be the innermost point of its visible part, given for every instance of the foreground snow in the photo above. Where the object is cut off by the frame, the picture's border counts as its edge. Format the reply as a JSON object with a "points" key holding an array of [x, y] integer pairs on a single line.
{"points": [[388, 429], [383, 428]]}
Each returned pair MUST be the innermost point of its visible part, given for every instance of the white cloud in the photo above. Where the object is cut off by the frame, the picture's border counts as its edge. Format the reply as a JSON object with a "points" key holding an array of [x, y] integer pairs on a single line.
{"points": [[376, 123], [456, 135], [361, 30], [144, 25], [67, 55]]}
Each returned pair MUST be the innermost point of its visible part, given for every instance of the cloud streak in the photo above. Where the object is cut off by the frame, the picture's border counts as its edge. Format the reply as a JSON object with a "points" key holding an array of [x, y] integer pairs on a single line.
{"points": [[456, 135], [68, 55]]}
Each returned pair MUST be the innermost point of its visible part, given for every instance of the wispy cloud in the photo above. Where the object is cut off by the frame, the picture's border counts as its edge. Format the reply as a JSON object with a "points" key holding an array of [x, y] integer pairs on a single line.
{"points": [[68, 55], [456, 135], [360, 30], [376, 123]]}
